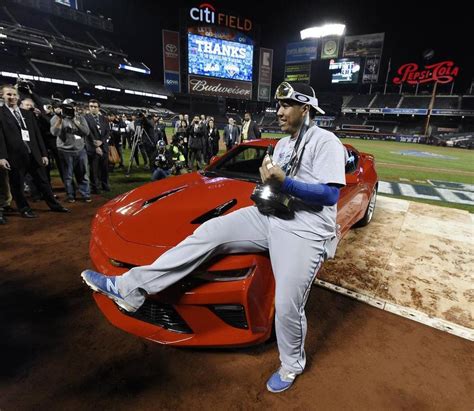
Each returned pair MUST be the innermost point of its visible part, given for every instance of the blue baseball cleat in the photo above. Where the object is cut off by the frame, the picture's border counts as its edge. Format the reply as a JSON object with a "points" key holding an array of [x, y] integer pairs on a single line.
{"points": [[106, 285], [281, 380]]}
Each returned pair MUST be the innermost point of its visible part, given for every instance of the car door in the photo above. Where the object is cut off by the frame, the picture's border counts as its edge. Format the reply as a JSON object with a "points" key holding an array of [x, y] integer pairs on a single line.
{"points": [[351, 196]]}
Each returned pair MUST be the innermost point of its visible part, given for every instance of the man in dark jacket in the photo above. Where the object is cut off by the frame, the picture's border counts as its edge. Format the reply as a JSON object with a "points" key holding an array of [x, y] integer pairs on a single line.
{"points": [[22, 151], [197, 136], [98, 148], [231, 134], [250, 129]]}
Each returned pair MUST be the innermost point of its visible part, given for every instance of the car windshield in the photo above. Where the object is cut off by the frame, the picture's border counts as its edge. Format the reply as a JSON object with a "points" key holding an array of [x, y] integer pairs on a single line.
{"points": [[242, 164]]}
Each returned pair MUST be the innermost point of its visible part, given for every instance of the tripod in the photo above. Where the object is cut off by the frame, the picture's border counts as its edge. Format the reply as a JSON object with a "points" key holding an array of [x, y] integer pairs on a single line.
{"points": [[137, 141]]}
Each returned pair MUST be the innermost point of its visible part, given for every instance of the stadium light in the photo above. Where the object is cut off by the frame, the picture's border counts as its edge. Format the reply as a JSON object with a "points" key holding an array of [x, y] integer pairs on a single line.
{"points": [[322, 31]]}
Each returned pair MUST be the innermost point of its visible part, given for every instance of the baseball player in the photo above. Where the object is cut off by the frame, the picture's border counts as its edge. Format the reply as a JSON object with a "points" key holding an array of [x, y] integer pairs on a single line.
{"points": [[308, 166]]}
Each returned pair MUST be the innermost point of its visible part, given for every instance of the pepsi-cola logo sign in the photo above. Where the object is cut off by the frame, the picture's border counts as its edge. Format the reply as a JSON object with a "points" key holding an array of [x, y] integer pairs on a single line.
{"points": [[443, 72]]}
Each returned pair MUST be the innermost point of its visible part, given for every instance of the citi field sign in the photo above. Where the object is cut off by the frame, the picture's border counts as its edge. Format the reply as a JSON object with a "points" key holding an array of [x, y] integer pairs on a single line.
{"points": [[442, 72], [206, 13]]}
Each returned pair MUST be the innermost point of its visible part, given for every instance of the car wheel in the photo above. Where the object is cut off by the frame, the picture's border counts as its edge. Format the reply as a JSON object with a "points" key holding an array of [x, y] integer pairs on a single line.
{"points": [[369, 213]]}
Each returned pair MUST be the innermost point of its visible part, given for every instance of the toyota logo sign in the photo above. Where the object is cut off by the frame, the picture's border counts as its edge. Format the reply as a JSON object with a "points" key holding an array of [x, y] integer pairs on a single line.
{"points": [[171, 48]]}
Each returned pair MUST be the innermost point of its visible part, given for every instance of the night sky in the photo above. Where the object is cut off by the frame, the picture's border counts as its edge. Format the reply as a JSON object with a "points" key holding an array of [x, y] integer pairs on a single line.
{"points": [[410, 27]]}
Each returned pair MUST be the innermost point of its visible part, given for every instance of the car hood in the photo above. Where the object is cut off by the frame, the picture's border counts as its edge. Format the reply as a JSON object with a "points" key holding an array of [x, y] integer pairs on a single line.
{"points": [[165, 212]]}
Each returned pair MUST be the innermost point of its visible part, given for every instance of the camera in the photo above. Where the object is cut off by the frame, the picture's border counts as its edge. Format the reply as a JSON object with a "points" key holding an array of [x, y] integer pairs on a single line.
{"points": [[160, 158], [178, 167], [25, 86], [68, 110]]}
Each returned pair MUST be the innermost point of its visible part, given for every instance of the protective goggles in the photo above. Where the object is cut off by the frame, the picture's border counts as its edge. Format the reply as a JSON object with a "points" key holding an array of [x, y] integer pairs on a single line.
{"points": [[286, 92]]}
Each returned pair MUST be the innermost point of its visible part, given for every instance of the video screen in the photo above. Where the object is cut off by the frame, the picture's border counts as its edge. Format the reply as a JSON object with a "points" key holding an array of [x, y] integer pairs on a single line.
{"points": [[213, 57], [345, 70]]}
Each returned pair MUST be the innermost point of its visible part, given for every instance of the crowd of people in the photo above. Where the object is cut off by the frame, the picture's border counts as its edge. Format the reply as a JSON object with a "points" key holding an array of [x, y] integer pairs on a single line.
{"points": [[85, 143]]}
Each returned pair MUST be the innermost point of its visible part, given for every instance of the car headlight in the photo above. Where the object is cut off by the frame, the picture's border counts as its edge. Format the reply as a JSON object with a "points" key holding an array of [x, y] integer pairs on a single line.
{"points": [[225, 275], [117, 263]]}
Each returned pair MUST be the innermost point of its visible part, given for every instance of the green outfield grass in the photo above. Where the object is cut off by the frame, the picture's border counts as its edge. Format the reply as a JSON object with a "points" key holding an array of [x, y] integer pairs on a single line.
{"points": [[391, 166]]}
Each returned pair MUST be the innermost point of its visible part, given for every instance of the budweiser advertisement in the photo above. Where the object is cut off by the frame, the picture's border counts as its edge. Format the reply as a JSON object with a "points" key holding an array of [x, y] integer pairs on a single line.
{"points": [[220, 87], [442, 73]]}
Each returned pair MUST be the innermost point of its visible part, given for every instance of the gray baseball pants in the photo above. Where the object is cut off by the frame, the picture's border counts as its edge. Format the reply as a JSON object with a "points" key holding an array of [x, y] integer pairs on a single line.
{"points": [[295, 262]]}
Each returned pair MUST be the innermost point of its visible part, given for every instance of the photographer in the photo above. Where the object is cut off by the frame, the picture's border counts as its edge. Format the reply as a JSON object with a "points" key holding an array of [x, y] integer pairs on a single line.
{"points": [[159, 129], [178, 157], [182, 134], [71, 130], [213, 138], [145, 137], [117, 127], [162, 162], [169, 160], [197, 143]]}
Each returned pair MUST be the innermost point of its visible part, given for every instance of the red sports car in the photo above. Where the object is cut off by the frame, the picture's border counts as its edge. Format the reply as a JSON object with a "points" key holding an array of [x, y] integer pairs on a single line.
{"points": [[230, 300]]}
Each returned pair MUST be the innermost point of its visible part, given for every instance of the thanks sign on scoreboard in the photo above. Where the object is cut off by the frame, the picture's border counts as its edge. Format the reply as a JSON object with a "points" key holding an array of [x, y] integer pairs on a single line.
{"points": [[213, 57]]}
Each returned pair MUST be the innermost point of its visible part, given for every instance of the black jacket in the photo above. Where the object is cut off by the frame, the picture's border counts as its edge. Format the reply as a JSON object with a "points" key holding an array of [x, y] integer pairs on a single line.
{"points": [[102, 135], [197, 137], [12, 146]]}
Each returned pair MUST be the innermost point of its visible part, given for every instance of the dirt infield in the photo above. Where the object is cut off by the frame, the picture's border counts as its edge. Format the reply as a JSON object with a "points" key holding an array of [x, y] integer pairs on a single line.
{"points": [[413, 255], [58, 351]]}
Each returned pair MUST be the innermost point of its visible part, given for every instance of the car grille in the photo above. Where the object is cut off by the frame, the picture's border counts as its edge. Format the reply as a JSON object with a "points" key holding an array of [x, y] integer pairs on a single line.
{"points": [[232, 314], [160, 314]]}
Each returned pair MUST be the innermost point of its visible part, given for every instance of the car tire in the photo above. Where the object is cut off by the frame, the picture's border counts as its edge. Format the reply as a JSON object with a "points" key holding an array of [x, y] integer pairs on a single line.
{"points": [[369, 213]]}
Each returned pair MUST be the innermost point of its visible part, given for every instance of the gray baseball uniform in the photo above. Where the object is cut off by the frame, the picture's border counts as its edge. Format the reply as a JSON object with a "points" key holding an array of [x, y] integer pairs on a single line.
{"points": [[296, 246]]}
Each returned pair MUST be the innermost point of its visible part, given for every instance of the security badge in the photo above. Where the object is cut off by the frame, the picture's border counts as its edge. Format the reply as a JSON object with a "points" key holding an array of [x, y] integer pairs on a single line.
{"points": [[25, 135]]}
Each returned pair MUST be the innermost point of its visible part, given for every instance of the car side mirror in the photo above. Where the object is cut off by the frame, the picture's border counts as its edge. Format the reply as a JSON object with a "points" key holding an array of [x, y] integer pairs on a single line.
{"points": [[352, 178]]}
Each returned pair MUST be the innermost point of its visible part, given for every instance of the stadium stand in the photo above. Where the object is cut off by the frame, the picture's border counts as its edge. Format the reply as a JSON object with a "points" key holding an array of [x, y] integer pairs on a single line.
{"points": [[105, 41], [23, 17], [69, 30], [88, 55], [360, 100], [15, 64], [54, 70], [382, 126], [71, 56], [467, 103], [414, 127], [451, 102], [135, 83], [386, 100], [4, 17], [414, 102], [98, 78]]}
